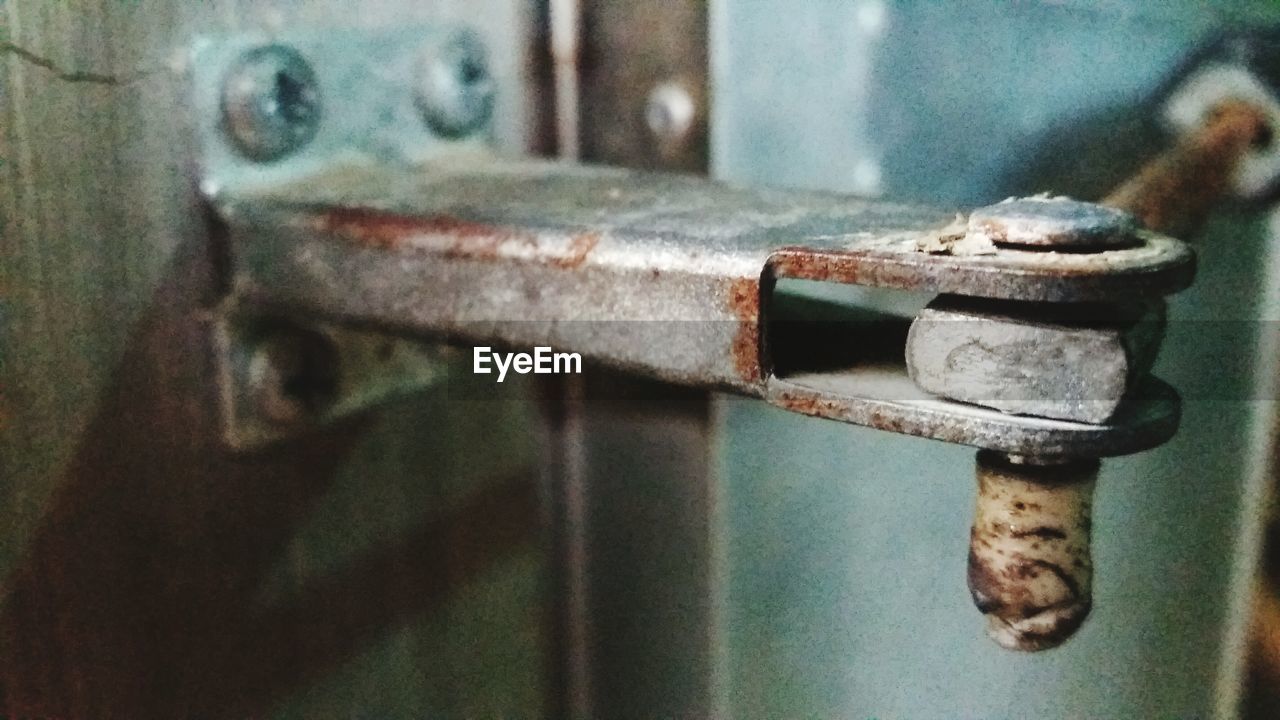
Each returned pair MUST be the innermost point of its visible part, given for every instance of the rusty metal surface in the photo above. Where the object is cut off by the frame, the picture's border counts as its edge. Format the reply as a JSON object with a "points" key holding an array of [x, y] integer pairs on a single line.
{"points": [[884, 397], [811, 527], [582, 218], [1175, 192], [1236, 68], [1030, 569], [662, 274], [364, 369]]}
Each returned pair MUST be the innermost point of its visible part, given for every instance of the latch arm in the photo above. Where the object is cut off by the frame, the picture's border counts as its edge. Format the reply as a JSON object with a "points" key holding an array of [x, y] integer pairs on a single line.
{"points": [[669, 276]]}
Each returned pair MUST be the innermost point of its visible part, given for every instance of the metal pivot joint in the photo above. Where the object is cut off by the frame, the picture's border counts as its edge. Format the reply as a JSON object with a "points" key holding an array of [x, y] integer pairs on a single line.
{"points": [[1036, 351]]}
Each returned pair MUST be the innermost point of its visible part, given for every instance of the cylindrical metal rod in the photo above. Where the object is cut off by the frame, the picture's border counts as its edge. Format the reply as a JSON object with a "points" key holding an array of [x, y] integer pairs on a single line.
{"points": [[1030, 571], [1175, 192], [566, 40]]}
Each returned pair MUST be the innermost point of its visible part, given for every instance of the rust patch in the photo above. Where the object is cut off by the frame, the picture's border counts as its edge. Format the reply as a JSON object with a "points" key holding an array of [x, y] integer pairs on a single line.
{"points": [[449, 236], [815, 405], [984, 587], [1009, 273], [853, 267], [1044, 532], [390, 230], [580, 247], [743, 297], [798, 262], [819, 405]]}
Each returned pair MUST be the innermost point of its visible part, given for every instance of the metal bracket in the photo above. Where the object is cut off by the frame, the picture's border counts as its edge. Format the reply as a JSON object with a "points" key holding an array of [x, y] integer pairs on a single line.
{"points": [[270, 109], [666, 275]]}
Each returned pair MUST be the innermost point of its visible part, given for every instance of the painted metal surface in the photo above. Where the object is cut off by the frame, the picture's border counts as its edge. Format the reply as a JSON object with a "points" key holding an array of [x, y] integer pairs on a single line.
{"points": [[638, 547]]}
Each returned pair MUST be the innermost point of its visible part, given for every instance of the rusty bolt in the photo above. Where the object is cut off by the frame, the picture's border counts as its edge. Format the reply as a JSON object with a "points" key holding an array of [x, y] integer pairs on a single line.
{"points": [[293, 375], [270, 103], [455, 92], [1030, 569], [1043, 222]]}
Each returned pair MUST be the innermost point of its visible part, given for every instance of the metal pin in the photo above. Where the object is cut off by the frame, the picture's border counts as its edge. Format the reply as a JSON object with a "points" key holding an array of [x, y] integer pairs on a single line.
{"points": [[1030, 572]]}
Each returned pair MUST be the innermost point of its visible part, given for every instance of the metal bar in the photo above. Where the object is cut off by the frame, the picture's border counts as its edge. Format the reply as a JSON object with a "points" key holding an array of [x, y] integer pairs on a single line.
{"points": [[566, 38], [640, 626], [663, 274], [1175, 192]]}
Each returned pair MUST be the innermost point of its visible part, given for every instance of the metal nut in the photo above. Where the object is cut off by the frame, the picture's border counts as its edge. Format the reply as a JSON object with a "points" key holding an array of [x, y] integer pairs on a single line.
{"points": [[1053, 222], [270, 103], [455, 92], [293, 375]]}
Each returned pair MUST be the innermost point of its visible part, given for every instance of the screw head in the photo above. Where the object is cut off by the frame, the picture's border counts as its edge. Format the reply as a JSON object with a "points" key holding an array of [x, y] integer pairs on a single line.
{"points": [[1053, 222], [669, 113], [270, 103], [293, 375], [455, 92]]}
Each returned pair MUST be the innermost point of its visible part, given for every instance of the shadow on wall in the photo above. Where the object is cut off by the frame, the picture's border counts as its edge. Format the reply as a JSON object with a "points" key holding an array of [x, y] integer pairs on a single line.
{"points": [[138, 596]]}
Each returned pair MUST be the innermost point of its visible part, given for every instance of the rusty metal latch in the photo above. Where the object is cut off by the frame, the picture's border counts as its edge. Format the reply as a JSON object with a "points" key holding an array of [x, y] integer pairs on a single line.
{"points": [[670, 276], [369, 199]]}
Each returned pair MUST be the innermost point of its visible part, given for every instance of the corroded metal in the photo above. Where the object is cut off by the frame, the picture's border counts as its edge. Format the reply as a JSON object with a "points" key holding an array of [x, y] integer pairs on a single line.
{"points": [[1053, 222], [884, 397], [1071, 362], [662, 274], [1175, 192], [1030, 569], [1227, 93], [279, 374]]}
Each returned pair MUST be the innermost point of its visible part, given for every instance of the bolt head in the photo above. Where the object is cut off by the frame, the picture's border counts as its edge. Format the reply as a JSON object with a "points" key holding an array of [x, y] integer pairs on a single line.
{"points": [[293, 375], [669, 113], [455, 92], [270, 103], [1053, 222]]}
